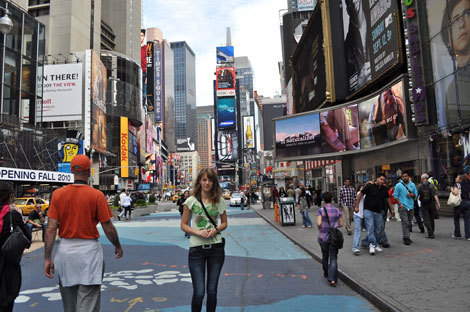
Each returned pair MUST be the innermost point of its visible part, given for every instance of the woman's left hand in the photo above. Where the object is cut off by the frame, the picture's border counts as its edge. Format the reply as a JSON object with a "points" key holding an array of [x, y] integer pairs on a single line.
{"points": [[211, 233]]}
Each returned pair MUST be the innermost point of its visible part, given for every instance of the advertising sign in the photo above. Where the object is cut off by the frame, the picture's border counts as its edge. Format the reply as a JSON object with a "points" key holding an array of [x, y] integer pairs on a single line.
{"points": [[224, 55], [227, 145], [340, 129], [308, 64], [382, 118], [98, 107], [298, 136], [67, 150], [249, 132], [15, 174], [184, 145], [124, 151], [226, 113], [448, 23], [212, 134], [225, 81], [150, 89], [371, 40], [62, 93], [306, 5], [150, 134], [158, 93]]}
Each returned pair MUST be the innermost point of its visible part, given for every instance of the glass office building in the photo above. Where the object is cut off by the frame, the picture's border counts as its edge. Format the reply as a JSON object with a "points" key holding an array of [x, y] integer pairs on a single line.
{"points": [[185, 92]]}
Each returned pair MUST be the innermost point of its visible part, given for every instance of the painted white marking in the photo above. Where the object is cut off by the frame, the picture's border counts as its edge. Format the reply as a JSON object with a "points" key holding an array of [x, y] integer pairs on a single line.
{"points": [[167, 276], [143, 282], [167, 273], [38, 290], [119, 283], [185, 274], [110, 279], [186, 280], [52, 296], [133, 287], [21, 299], [165, 281]]}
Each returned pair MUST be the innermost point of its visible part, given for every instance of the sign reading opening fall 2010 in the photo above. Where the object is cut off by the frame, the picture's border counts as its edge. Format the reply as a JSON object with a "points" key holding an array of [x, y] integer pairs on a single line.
{"points": [[15, 174]]}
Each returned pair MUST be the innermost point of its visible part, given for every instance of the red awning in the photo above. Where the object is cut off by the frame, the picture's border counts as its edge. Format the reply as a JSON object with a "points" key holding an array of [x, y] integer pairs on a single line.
{"points": [[269, 169]]}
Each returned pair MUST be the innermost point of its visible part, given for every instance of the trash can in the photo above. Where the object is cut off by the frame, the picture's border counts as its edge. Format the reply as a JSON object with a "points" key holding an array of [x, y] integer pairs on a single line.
{"points": [[287, 210], [267, 196]]}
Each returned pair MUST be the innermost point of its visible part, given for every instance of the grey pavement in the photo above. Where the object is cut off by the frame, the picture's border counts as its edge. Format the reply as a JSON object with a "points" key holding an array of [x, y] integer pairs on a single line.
{"points": [[428, 275]]}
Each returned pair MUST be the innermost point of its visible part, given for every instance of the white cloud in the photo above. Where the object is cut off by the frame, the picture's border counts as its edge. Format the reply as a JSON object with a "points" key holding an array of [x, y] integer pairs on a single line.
{"points": [[202, 24]]}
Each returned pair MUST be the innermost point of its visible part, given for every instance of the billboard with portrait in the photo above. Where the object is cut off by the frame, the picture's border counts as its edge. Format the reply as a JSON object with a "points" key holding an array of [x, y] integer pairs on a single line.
{"points": [[185, 145], [448, 27], [226, 112], [298, 136], [62, 92], [308, 63], [371, 40], [382, 118], [225, 81], [98, 107], [249, 132], [67, 150], [224, 55], [227, 145], [340, 129]]}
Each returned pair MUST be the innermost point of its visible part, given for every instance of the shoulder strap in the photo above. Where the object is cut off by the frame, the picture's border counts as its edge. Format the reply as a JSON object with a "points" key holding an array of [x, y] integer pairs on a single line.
{"points": [[11, 221], [327, 218], [207, 214], [405, 187]]}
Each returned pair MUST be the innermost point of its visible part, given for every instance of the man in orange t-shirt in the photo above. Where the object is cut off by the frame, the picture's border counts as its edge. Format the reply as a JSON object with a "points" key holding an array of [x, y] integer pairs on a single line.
{"points": [[79, 259]]}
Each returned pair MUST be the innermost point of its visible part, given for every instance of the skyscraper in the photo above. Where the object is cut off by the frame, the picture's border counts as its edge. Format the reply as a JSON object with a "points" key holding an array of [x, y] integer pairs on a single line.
{"points": [[244, 74], [204, 148], [185, 91]]}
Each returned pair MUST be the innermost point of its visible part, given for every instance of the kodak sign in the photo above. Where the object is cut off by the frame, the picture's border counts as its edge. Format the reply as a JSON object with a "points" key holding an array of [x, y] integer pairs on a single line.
{"points": [[124, 143]]}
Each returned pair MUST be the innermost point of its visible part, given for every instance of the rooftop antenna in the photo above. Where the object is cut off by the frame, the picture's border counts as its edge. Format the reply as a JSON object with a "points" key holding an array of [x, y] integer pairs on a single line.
{"points": [[229, 38]]}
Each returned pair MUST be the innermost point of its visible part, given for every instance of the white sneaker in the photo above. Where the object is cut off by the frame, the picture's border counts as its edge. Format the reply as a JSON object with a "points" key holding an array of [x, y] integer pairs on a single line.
{"points": [[398, 220], [372, 250], [377, 248], [388, 219], [356, 252]]}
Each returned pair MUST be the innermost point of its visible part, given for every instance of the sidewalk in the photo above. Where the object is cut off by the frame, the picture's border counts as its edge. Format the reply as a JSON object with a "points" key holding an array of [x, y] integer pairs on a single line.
{"points": [[428, 275]]}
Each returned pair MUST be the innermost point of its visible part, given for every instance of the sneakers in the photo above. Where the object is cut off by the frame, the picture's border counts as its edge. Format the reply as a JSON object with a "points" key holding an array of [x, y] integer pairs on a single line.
{"points": [[303, 226], [386, 245], [119, 218], [371, 250], [407, 241], [388, 219], [456, 237], [349, 233], [309, 226], [356, 252], [377, 248]]}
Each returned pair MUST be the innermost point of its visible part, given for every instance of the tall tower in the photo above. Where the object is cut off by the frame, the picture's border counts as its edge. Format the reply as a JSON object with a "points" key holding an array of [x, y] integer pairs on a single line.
{"points": [[185, 92]]}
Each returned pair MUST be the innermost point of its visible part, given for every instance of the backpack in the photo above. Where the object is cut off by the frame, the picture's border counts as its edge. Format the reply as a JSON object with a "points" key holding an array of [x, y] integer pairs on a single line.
{"points": [[425, 195], [434, 182]]}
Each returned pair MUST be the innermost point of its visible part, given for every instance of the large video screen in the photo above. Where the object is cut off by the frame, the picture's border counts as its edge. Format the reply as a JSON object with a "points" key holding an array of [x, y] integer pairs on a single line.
{"points": [[227, 145], [340, 130], [371, 40], [382, 118], [226, 114], [308, 65], [298, 136]]}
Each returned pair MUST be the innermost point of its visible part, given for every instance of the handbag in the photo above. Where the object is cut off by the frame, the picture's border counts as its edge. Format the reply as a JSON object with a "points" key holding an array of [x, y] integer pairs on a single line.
{"points": [[454, 200], [15, 244], [210, 219], [336, 237]]}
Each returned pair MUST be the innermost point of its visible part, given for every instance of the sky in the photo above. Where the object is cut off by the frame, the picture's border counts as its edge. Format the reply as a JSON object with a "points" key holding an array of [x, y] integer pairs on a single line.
{"points": [[255, 28], [301, 124]]}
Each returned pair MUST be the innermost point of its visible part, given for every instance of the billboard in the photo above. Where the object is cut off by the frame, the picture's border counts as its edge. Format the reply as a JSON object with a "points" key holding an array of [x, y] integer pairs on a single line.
{"points": [[213, 134], [382, 118], [249, 132], [306, 5], [184, 145], [67, 150], [227, 145], [62, 92], [450, 63], [224, 54], [158, 92], [124, 147], [371, 40], [308, 63], [298, 136], [225, 81], [226, 112], [340, 129], [150, 76], [98, 107]]}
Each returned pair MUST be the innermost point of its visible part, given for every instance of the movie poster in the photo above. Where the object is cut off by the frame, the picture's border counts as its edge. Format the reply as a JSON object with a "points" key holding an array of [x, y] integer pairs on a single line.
{"points": [[340, 130]]}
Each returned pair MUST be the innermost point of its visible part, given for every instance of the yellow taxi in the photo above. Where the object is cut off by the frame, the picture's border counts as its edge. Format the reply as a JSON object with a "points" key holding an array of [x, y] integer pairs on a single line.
{"points": [[27, 204], [226, 194], [176, 197]]}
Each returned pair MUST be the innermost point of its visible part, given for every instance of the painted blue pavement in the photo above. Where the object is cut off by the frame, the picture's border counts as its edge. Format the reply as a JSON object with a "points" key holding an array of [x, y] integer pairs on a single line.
{"points": [[263, 271]]}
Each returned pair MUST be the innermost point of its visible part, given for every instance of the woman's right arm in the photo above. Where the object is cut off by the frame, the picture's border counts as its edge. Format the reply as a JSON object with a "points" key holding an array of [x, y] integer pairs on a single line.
{"points": [[184, 224], [18, 221]]}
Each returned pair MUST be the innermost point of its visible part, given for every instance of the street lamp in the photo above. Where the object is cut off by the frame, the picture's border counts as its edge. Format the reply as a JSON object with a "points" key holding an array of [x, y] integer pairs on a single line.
{"points": [[5, 22]]}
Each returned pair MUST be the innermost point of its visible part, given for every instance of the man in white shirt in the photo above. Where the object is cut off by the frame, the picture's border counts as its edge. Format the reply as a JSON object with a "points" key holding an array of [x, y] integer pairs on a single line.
{"points": [[121, 203]]}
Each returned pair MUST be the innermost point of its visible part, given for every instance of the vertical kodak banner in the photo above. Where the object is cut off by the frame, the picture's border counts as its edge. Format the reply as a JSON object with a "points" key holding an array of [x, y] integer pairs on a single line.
{"points": [[124, 141]]}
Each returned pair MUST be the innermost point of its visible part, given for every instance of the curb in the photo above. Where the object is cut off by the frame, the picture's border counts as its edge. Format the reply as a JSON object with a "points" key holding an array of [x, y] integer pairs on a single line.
{"points": [[378, 301]]}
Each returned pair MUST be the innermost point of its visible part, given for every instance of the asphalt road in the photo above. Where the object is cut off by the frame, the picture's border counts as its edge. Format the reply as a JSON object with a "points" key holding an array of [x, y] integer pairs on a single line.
{"points": [[263, 271]]}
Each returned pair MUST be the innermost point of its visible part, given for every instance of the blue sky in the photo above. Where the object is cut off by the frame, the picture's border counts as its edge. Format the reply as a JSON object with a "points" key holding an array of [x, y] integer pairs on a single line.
{"points": [[255, 27], [301, 124]]}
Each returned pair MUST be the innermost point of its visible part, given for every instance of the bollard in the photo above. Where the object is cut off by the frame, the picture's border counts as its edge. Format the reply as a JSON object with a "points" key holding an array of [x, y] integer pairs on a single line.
{"points": [[276, 213]]}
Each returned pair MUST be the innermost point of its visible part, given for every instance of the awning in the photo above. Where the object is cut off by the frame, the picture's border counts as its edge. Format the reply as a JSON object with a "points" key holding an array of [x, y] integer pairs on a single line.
{"points": [[269, 169]]}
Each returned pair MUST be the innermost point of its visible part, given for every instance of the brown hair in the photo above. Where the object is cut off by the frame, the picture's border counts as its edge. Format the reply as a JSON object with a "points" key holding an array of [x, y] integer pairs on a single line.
{"points": [[6, 190], [216, 191]]}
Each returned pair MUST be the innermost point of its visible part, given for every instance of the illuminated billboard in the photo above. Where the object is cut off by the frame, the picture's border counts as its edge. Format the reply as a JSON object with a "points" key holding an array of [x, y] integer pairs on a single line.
{"points": [[371, 40], [227, 145], [225, 81], [224, 55], [226, 113], [249, 132], [298, 136], [99, 127], [340, 129]]}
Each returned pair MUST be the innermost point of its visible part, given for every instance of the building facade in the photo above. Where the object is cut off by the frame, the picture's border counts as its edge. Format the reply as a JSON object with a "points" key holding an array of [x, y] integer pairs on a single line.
{"points": [[185, 91], [244, 76], [204, 139]]}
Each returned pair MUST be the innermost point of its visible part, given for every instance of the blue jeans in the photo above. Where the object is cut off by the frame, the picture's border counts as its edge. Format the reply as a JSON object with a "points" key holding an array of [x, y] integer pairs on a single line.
{"points": [[305, 218], [373, 221], [330, 268], [198, 259], [382, 235], [465, 207], [357, 231], [29, 226]]}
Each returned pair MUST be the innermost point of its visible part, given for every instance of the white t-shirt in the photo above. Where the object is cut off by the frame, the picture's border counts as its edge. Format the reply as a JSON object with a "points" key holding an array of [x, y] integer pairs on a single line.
{"points": [[360, 214], [121, 198]]}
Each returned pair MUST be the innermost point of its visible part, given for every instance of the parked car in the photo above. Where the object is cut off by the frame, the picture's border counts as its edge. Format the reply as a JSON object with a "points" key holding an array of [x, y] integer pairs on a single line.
{"points": [[236, 199], [175, 197], [27, 204], [226, 194]]}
